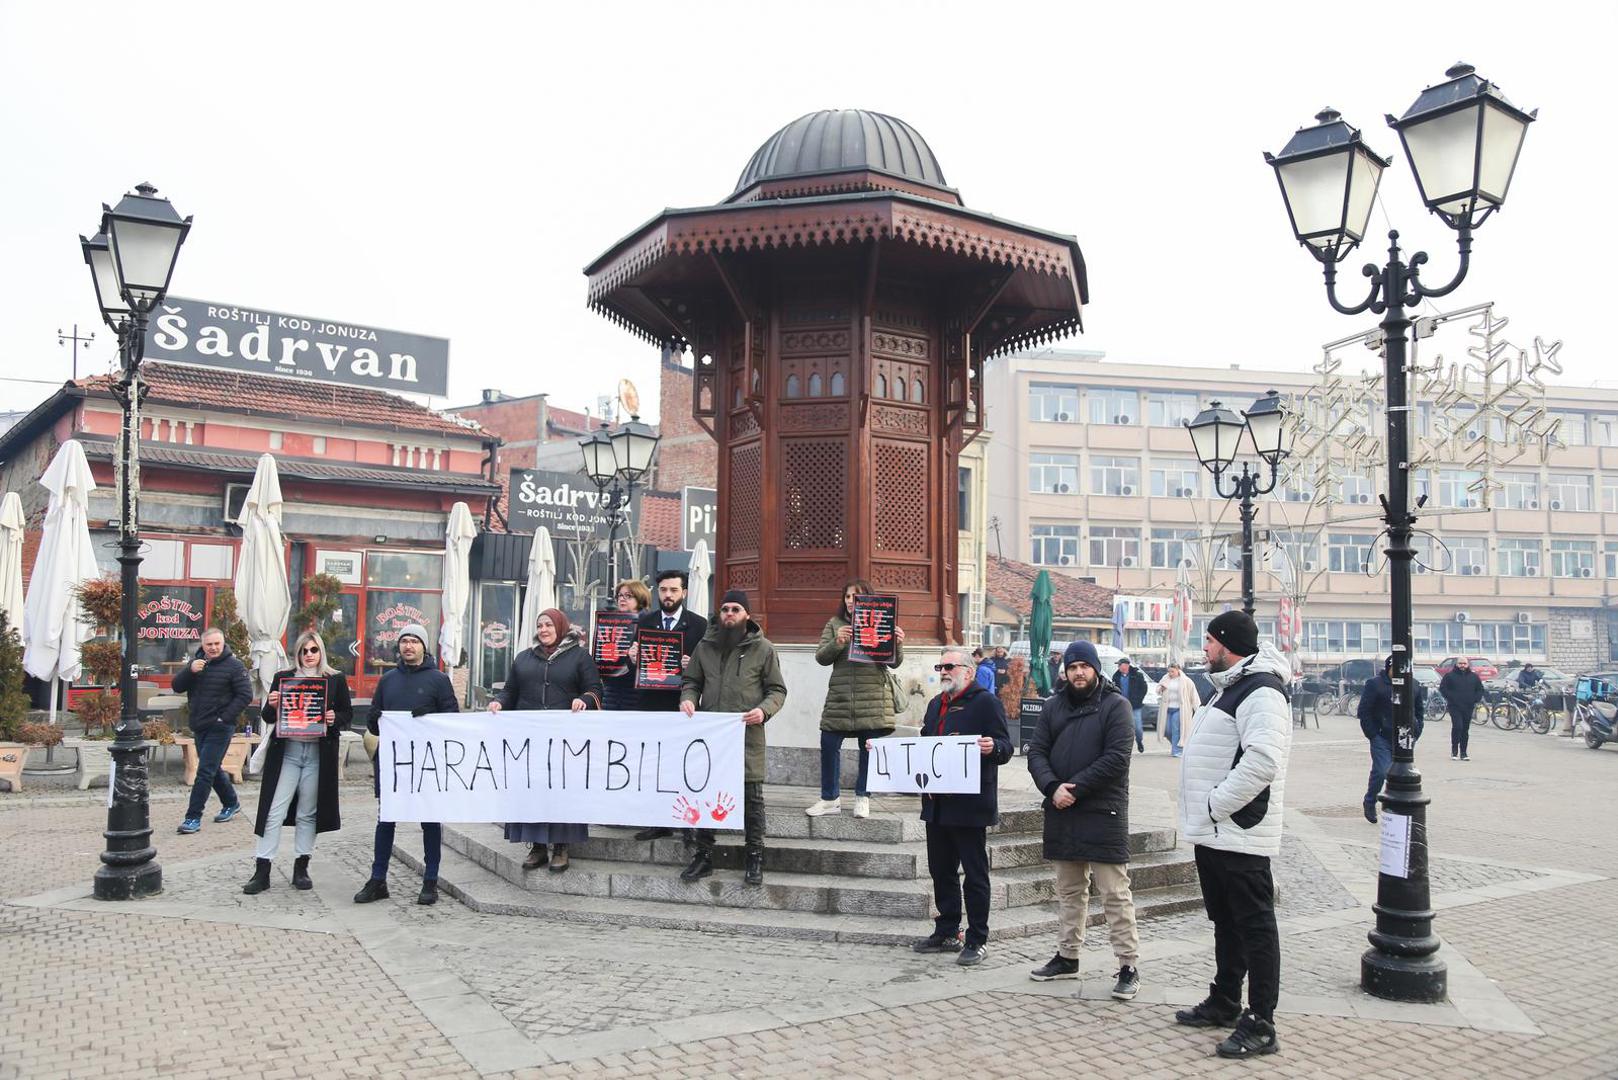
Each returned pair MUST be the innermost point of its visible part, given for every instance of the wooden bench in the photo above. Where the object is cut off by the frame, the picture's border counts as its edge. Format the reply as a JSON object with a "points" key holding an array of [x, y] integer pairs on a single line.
{"points": [[12, 756], [233, 766]]}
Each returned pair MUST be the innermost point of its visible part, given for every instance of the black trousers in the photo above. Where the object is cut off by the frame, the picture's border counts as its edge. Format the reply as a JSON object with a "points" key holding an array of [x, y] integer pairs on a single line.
{"points": [[752, 819], [1460, 726], [951, 851], [1239, 895]]}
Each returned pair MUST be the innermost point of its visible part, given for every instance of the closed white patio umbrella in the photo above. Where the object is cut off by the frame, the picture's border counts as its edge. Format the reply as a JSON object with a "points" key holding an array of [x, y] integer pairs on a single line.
{"points": [[53, 624], [262, 598], [541, 592], [457, 583], [12, 524], [696, 593]]}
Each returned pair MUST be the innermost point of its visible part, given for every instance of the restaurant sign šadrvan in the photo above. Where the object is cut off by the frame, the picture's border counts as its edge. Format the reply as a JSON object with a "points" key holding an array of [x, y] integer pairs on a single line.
{"points": [[563, 503], [236, 338]]}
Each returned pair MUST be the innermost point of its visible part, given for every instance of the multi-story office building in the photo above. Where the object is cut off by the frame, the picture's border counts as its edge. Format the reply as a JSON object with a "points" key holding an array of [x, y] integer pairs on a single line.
{"points": [[1092, 473]]}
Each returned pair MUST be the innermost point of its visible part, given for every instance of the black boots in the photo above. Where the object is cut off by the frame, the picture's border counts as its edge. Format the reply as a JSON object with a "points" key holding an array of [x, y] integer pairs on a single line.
{"points": [[429, 892], [754, 874], [260, 880], [1215, 1010], [701, 866], [537, 857], [374, 889], [300, 873]]}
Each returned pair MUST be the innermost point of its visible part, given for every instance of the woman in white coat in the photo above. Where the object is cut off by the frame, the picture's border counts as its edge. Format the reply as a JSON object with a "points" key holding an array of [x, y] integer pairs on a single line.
{"points": [[1177, 703]]}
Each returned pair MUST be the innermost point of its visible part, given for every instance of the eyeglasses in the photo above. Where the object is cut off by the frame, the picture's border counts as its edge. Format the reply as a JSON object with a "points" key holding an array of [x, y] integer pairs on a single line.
{"points": [[308, 649], [731, 609], [946, 667]]}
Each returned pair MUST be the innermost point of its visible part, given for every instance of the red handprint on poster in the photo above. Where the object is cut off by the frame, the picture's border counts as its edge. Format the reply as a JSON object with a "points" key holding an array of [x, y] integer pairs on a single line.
{"points": [[685, 812], [720, 809], [873, 619]]}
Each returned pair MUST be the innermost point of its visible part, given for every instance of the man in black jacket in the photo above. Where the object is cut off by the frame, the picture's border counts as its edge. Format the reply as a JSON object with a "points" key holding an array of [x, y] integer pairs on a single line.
{"points": [[670, 614], [1376, 723], [1132, 684], [957, 825], [417, 687], [1463, 692], [216, 684], [1079, 759]]}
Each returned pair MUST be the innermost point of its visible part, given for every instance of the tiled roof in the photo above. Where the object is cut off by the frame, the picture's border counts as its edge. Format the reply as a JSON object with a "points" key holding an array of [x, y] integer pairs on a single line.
{"points": [[1011, 585], [217, 461], [237, 391], [568, 422], [660, 520]]}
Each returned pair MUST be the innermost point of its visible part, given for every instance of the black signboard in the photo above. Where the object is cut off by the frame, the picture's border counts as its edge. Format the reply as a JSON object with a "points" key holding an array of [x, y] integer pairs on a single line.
{"points": [[660, 666], [874, 620], [1027, 720], [614, 633], [302, 710], [564, 503], [699, 515], [236, 338]]}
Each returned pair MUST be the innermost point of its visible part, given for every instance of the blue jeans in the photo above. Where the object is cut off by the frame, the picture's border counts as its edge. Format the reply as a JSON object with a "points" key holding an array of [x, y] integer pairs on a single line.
{"points": [[1381, 762], [432, 843], [1171, 729], [831, 761], [212, 742], [300, 781], [1140, 726]]}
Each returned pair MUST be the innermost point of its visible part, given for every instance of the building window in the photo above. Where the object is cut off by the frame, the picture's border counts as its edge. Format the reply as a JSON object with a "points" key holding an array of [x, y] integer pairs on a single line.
{"points": [[1572, 428], [1053, 474], [839, 385], [275, 440], [1519, 557], [1114, 475], [1176, 478], [1421, 484], [1227, 556], [1298, 550], [1609, 559], [320, 444], [212, 562], [1518, 490], [1569, 491], [1053, 403], [1350, 553], [1573, 558], [1609, 494], [1296, 486], [1170, 409], [1355, 489], [1055, 545], [1604, 430], [404, 569], [1114, 545], [1457, 488], [1170, 548], [1109, 406], [1468, 555], [963, 498], [164, 561]]}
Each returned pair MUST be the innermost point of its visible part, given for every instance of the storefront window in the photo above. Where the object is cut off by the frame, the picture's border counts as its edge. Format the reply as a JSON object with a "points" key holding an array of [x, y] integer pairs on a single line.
{"points": [[404, 569], [497, 616], [387, 611], [172, 619], [343, 647]]}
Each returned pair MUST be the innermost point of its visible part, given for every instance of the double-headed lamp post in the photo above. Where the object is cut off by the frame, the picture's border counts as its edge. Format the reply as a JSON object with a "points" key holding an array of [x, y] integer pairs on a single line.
{"points": [[615, 461], [1462, 138], [131, 260], [1216, 434]]}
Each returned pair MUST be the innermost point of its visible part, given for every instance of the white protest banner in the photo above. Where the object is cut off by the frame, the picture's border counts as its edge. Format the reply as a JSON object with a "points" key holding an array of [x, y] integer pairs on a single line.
{"points": [[936, 765], [599, 768]]}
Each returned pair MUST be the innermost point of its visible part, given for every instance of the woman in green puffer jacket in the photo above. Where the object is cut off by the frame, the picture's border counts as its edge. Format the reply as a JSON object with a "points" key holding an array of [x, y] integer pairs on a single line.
{"points": [[858, 704]]}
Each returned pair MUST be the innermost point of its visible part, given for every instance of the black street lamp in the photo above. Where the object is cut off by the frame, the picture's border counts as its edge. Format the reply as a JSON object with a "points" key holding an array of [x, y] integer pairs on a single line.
{"points": [[1462, 139], [615, 461], [1216, 434], [131, 260]]}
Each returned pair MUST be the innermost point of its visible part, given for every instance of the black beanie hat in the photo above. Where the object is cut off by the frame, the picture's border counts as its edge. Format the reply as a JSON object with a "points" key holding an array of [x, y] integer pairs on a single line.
{"points": [[735, 596], [1236, 631]]}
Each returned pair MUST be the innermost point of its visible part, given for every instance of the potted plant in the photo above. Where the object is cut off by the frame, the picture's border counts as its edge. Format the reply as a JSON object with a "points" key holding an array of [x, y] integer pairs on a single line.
{"points": [[13, 707]]}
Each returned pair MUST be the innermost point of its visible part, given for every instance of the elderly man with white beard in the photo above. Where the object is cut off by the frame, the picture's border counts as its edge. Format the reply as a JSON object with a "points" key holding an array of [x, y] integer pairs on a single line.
{"points": [[957, 825]]}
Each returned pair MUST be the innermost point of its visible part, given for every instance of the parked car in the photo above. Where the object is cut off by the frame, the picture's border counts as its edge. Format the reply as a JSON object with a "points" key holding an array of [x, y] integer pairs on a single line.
{"points": [[1428, 680], [1350, 675], [1486, 669]]}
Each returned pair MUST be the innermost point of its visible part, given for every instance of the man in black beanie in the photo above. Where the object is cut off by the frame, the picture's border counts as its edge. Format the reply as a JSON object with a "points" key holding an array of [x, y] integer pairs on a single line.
{"points": [[1232, 778], [734, 669]]}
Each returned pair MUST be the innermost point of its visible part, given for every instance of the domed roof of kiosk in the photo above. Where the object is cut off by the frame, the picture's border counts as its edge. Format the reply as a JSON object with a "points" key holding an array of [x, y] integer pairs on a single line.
{"points": [[843, 140]]}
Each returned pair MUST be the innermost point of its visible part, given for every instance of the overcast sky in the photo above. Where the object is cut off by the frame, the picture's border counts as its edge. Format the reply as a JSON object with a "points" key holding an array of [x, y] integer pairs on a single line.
{"points": [[450, 169]]}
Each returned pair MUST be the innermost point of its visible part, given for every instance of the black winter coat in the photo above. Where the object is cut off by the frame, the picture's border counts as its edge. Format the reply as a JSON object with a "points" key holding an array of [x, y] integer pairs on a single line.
{"points": [[1088, 744], [1376, 708], [327, 818], [1461, 688], [417, 690], [975, 711], [219, 692], [1133, 686], [693, 628], [540, 682]]}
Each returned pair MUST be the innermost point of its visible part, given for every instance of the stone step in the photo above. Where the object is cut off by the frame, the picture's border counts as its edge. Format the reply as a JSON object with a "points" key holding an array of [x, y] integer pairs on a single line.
{"points": [[485, 891], [784, 889]]}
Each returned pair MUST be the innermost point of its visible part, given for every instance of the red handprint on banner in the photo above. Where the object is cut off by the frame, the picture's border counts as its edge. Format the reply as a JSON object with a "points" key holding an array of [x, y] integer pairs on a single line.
{"points": [[686, 812], [720, 809]]}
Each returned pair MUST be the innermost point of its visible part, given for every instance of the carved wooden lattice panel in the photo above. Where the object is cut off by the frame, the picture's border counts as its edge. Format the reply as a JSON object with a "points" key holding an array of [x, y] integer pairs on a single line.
{"points": [[900, 498], [900, 577], [815, 493], [746, 498], [818, 576], [745, 576]]}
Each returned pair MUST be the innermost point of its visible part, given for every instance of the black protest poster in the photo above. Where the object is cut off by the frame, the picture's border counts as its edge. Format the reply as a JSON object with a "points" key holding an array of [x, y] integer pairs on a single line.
{"points": [[302, 709], [614, 633], [875, 618], [661, 665]]}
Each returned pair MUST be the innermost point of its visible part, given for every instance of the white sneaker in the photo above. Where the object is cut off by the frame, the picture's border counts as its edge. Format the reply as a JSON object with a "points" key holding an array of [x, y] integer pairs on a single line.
{"points": [[824, 807], [862, 806]]}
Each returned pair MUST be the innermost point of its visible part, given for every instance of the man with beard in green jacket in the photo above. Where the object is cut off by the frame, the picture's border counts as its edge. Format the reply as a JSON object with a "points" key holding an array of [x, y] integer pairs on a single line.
{"points": [[734, 669]]}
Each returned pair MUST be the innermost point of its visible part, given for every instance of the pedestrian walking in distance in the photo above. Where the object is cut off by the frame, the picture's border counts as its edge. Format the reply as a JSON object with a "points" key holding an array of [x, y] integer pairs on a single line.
{"points": [[1132, 684], [958, 825], [300, 771], [1232, 779], [1079, 759], [217, 690], [1177, 701], [1376, 723], [859, 704], [558, 672], [1463, 692], [415, 686]]}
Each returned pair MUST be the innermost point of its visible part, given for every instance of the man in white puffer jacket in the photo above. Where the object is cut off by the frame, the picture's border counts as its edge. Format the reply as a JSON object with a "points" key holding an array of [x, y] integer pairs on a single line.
{"points": [[1232, 782]]}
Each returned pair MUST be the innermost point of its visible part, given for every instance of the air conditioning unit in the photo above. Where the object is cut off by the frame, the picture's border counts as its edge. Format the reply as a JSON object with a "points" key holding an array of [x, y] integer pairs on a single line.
{"points": [[1128, 561], [1469, 504], [1477, 571], [1533, 504], [1556, 504], [1474, 434], [1362, 497], [1463, 616], [1063, 417], [1524, 617], [235, 499], [1310, 567], [1067, 560], [1587, 572], [1120, 420], [1126, 490], [1531, 571], [1061, 489]]}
